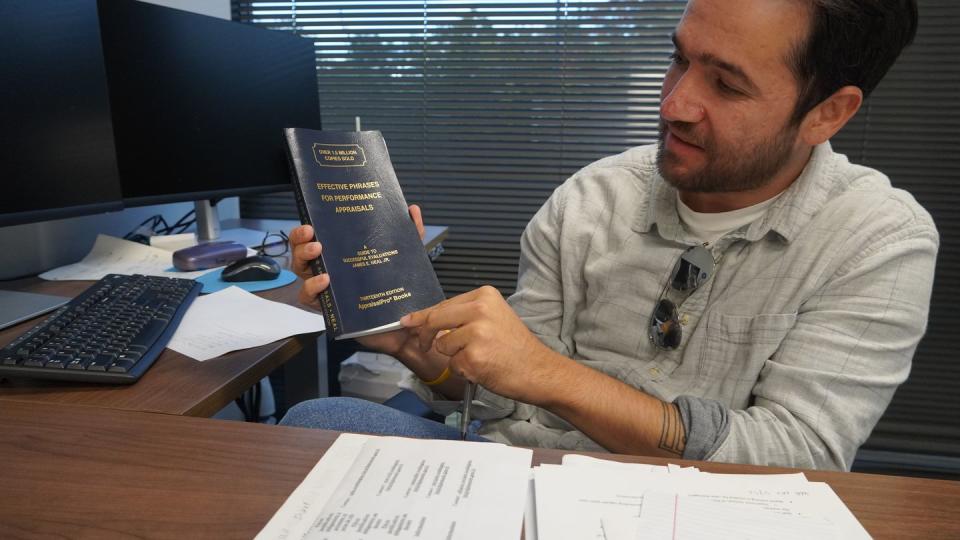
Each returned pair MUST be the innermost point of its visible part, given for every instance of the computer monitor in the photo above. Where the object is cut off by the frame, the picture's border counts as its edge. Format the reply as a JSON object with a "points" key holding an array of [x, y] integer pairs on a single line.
{"points": [[119, 103], [57, 157], [199, 103]]}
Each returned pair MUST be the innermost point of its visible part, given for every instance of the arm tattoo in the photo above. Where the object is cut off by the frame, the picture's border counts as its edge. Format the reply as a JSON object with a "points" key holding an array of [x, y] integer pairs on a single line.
{"points": [[673, 438]]}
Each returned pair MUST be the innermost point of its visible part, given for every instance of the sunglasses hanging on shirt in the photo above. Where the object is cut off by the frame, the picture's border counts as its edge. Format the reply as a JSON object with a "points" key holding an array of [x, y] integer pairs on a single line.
{"points": [[694, 267]]}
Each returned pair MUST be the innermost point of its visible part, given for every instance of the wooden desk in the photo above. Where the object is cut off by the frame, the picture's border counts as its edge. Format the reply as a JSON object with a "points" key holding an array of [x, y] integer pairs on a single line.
{"points": [[105, 473], [179, 385], [175, 384]]}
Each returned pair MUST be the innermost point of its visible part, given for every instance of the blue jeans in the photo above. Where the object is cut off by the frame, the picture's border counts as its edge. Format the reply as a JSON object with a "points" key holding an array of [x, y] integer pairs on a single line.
{"points": [[360, 416]]}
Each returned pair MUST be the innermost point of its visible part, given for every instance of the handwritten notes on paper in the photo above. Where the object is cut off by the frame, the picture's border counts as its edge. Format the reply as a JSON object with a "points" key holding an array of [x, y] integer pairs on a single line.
{"points": [[111, 255], [369, 487], [234, 319], [590, 498]]}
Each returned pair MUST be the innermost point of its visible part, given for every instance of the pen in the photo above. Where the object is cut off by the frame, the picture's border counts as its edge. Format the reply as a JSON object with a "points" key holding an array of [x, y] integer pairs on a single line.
{"points": [[468, 392]]}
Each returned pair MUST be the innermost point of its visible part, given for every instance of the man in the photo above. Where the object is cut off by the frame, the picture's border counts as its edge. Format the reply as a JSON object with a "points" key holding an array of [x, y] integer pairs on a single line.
{"points": [[737, 292]]}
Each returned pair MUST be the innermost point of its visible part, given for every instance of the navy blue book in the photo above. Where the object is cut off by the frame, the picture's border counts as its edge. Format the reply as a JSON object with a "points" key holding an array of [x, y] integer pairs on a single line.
{"points": [[347, 190]]}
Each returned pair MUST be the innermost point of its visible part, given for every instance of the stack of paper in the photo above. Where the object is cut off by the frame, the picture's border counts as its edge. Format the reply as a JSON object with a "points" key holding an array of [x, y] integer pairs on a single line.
{"points": [[385, 487], [586, 498], [111, 255], [368, 487]]}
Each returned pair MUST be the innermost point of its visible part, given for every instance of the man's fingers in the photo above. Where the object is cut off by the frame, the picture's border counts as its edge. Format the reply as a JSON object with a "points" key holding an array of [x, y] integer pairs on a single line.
{"points": [[418, 318], [309, 301], [313, 287], [300, 238], [438, 321], [450, 343], [300, 234], [463, 298], [302, 255], [417, 218]]}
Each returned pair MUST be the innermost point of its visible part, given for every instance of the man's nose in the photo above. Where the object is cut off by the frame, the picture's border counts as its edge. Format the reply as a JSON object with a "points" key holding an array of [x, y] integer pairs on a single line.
{"points": [[681, 103]]}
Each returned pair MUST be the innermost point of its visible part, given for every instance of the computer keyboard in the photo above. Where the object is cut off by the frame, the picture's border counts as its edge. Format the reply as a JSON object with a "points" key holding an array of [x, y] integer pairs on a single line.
{"points": [[111, 333]]}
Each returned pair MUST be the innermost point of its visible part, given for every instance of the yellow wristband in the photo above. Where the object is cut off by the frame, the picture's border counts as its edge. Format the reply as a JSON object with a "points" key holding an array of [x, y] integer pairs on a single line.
{"points": [[439, 380]]}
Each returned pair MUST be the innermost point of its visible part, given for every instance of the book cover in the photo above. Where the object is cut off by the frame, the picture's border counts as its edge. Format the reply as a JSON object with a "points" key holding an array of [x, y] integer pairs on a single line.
{"points": [[347, 190]]}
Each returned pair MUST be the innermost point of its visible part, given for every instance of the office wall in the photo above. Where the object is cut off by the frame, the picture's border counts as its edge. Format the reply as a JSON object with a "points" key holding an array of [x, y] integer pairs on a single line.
{"points": [[213, 8], [32, 248]]}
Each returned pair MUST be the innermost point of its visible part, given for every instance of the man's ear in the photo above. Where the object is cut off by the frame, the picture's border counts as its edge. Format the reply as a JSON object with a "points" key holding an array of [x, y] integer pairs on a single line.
{"points": [[831, 114]]}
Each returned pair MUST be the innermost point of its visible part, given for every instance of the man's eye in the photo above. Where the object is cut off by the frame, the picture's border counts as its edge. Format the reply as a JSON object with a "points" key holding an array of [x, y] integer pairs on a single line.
{"points": [[676, 58], [727, 89]]}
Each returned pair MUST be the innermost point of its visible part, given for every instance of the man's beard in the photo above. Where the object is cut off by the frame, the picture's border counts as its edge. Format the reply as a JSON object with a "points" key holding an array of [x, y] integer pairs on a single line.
{"points": [[727, 170]]}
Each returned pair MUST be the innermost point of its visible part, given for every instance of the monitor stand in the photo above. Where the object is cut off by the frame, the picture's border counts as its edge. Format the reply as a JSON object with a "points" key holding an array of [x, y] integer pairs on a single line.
{"points": [[16, 307], [208, 220], [209, 229]]}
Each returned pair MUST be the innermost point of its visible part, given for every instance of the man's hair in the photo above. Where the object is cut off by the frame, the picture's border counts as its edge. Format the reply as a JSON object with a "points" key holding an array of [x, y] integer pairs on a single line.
{"points": [[849, 42]]}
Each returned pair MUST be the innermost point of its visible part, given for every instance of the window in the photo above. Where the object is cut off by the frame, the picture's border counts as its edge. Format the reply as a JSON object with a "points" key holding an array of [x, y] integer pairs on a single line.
{"points": [[486, 106], [910, 130]]}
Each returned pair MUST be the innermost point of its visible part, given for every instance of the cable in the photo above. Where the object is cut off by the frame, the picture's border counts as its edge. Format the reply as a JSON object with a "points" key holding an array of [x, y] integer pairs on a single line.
{"points": [[146, 229], [181, 225]]}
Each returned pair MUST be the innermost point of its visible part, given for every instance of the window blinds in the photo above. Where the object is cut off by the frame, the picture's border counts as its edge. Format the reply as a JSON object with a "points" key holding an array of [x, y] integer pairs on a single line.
{"points": [[910, 130], [488, 105]]}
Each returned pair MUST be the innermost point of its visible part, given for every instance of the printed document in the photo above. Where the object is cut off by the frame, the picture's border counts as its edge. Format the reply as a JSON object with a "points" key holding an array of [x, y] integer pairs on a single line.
{"points": [[368, 487]]}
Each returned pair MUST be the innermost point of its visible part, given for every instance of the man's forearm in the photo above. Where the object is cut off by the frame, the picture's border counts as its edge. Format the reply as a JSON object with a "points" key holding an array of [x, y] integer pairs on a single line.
{"points": [[617, 416]]}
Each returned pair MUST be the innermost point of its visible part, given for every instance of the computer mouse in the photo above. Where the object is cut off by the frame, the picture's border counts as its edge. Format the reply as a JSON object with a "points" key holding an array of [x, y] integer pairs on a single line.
{"points": [[254, 268]]}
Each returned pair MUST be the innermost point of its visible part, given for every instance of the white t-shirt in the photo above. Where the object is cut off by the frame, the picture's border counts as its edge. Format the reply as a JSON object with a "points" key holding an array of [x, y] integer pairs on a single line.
{"points": [[710, 227]]}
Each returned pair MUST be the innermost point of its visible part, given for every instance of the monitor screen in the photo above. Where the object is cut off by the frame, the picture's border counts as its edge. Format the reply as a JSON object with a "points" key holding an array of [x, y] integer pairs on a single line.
{"points": [[57, 157], [199, 103]]}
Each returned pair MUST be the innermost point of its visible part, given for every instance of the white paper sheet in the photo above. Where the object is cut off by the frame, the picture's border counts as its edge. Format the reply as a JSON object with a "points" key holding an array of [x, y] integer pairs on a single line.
{"points": [[572, 501], [234, 319], [734, 512], [111, 255], [578, 460], [295, 517], [409, 488], [590, 498]]}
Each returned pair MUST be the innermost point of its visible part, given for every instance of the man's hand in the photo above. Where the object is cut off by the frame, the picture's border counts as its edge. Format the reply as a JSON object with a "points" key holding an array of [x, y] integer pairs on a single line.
{"points": [[488, 344], [305, 249]]}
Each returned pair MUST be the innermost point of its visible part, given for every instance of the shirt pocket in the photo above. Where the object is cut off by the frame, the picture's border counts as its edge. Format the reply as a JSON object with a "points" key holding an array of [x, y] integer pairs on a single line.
{"points": [[736, 349]]}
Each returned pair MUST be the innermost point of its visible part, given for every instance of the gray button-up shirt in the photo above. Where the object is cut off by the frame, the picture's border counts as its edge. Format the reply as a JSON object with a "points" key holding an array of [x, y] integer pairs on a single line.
{"points": [[790, 352]]}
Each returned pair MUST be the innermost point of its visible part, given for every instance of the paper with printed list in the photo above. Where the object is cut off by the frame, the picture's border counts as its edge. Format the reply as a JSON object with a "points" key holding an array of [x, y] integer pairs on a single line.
{"points": [[368, 487]]}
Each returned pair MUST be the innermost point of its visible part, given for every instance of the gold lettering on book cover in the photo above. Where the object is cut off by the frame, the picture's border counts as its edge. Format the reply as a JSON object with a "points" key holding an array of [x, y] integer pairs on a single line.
{"points": [[381, 298], [370, 257], [339, 155], [367, 193]]}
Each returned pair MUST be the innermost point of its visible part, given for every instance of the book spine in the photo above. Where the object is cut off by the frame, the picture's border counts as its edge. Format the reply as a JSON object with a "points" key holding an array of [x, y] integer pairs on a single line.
{"points": [[327, 303]]}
